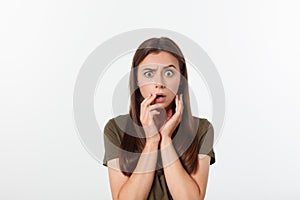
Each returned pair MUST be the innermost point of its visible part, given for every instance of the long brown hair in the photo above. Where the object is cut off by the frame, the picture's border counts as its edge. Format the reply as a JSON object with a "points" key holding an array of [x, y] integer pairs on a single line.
{"points": [[186, 141]]}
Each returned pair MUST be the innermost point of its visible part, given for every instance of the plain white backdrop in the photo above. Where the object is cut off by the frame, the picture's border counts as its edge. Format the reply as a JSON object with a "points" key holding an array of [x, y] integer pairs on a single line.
{"points": [[255, 46]]}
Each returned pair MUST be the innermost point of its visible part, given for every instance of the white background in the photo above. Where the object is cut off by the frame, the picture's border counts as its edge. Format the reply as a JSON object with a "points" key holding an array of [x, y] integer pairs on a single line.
{"points": [[254, 44]]}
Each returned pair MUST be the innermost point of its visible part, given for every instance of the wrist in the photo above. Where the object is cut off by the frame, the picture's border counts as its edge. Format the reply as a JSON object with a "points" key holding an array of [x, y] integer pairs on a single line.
{"points": [[165, 140], [152, 142]]}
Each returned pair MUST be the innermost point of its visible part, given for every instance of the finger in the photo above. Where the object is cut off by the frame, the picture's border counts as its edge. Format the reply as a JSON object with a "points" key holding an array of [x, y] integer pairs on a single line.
{"points": [[154, 112], [181, 102], [142, 104], [155, 106], [179, 105], [145, 99], [176, 103], [146, 102]]}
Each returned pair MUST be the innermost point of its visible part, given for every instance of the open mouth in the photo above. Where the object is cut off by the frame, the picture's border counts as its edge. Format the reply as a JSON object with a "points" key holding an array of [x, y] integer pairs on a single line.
{"points": [[160, 98]]}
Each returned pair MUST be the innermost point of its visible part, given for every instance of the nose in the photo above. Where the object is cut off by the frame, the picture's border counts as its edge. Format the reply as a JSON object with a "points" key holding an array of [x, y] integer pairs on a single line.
{"points": [[159, 85], [159, 82]]}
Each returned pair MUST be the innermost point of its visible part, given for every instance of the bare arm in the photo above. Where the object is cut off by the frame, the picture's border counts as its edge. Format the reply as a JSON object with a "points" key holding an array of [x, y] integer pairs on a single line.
{"points": [[191, 186], [138, 185]]}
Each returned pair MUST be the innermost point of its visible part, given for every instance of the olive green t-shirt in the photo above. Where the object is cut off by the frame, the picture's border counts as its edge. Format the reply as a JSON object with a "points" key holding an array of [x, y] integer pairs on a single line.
{"points": [[114, 132]]}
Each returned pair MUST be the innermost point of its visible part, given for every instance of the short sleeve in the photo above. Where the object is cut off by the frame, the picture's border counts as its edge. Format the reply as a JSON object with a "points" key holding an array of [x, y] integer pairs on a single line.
{"points": [[207, 142], [112, 142]]}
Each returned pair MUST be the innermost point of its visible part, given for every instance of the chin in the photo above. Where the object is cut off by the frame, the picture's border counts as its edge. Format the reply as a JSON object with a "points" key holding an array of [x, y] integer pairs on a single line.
{"points": [[168, 105]]}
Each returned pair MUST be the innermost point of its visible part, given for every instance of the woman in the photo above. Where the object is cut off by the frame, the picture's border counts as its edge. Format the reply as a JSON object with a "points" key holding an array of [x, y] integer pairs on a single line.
{"points": [[158, 150]]}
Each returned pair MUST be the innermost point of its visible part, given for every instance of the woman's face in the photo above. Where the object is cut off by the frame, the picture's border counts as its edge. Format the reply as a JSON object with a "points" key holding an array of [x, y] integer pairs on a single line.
{"points": [[159, 73]]}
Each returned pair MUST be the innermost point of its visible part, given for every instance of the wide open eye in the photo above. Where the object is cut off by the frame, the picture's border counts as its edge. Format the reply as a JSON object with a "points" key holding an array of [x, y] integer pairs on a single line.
{"points": [[148, 74], [169, 73]]}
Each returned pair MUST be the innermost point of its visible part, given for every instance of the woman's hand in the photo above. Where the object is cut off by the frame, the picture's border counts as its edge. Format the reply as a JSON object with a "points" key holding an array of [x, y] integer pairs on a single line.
{"points": [[146, 118], [168, 128]]}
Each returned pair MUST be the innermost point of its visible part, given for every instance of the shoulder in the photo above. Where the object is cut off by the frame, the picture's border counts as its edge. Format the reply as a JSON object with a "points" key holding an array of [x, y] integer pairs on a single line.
{"points": [[206, 138], [116, 125], [203, 125], [118, 121]]}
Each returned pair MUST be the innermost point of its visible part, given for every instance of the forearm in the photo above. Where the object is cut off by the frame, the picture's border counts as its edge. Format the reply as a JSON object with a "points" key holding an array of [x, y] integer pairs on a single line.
{"points": [[175, 173], [140, 182]]}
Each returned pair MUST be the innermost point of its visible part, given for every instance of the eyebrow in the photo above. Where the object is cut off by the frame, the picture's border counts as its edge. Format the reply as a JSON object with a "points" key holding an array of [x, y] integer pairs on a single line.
{"points": [[163, 67]]}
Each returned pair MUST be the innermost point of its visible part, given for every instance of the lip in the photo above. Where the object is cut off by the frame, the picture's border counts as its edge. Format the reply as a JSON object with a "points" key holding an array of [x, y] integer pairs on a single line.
{"points": [[162, 94], [161, 99]]}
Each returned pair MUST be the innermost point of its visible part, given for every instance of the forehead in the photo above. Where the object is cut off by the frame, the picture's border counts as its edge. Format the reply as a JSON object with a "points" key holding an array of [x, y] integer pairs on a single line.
{"points": [[162, 59]]}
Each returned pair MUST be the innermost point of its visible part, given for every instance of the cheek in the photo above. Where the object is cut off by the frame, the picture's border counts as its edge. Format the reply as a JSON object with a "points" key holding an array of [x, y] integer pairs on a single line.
{"points": [[173, 86], [145, 90]]}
